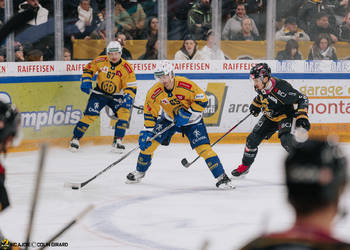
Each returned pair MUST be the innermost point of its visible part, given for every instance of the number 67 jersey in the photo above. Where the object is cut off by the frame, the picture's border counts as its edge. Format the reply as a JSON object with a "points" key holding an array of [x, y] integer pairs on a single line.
{"points": [[185, 94], [112, 79]]}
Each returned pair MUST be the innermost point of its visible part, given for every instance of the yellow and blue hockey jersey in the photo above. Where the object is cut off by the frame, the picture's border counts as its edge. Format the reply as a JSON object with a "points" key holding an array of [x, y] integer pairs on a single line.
{"points": [[185, 93], [111, 78]]}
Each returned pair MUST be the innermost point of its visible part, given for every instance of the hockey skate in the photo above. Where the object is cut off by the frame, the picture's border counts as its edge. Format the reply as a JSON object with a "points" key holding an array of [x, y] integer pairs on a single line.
{"points": [[74, 145], [224, 182], [241, 171], [134, 177], [117, 146]]}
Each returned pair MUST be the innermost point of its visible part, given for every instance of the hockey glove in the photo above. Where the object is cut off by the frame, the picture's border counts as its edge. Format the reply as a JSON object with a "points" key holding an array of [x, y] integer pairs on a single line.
{"points": [[86, 85], [127, 102], [143, 143], [182, 117], [254, 110], [302, 120]]}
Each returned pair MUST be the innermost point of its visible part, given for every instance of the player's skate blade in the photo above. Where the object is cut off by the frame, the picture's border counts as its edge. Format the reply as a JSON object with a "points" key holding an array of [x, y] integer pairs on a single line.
{"points": [[118, 147], [134, 177], [74, 145], [224, 182]]}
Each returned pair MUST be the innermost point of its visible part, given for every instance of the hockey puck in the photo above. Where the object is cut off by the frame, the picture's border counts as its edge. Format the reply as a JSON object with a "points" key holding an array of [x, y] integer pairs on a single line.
{"points": [[75, 188], [184, 162]]}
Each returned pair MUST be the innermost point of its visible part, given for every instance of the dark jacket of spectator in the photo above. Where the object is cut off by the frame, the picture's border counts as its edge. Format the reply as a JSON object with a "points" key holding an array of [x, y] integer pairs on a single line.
{"points": [[321, 25], [309, 10], [290, 52], [151, 50], [344, 29], [199, 19], [322, 49]]}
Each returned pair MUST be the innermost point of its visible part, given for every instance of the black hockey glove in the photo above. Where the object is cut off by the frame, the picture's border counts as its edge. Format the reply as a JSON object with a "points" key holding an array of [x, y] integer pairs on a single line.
{"points": [[254, 110], [302, 120]]}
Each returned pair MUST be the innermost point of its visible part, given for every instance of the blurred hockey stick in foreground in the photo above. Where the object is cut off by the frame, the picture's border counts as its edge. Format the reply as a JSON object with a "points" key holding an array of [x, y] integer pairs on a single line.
{"points": [[66, 227], [80, 185], [184, 161], [112, 98], [43, 150]]}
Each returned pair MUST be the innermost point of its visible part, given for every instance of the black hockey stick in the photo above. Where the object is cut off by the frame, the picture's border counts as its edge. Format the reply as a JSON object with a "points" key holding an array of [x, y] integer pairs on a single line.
{"points": [[184, 161], [43, 150], [80, 185], [66, 227], [112, 98]]}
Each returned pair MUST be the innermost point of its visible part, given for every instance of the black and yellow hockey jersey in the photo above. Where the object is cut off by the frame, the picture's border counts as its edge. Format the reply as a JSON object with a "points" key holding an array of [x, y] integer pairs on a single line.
{"points": [[278, 103]]}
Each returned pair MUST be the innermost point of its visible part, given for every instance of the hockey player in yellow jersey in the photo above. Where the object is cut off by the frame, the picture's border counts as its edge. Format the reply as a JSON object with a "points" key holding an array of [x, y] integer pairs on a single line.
{"points": [[182, 102], [115, 78]]}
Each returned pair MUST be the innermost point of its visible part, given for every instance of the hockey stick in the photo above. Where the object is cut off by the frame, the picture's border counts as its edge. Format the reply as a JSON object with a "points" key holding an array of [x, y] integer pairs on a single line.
{"points": [[43, 150], [80, 185], [184, 161], [66, 227], [112, 98]]}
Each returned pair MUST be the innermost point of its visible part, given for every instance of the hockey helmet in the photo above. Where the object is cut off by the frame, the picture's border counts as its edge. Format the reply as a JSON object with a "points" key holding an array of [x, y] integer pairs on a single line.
{"points": [[261, 70], [114, 46], [164, 68], [316, 171], [10, 120]]}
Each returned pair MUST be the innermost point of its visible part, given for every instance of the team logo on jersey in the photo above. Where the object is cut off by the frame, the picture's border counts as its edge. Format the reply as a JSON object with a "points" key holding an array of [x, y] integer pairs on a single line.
{"points": [[196, 133], [180, 97], [216, 93], [165, 101], [156, 93], [104, 69]]}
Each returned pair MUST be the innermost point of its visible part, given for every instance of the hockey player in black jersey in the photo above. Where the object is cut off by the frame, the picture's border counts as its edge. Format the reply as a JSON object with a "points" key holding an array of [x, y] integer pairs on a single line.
{"points": [[280, 103]]}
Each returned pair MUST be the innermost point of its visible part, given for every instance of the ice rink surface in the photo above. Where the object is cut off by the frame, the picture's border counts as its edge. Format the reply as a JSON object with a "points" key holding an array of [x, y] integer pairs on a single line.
{"points": [[173, 208]]}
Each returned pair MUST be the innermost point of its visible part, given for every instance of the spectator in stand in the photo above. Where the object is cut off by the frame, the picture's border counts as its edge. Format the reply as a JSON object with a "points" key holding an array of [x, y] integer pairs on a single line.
{"points": [[290, 52], [199, 19], [35, 55], [344, 31], [208, 52], [309, 10], [247, 31], [151, 29], [290, 30], [19, 54], [87, 20], [342, 7], [67, 56], [151, 50], [42, 14], [233, 25], [177, 18], [131, 16], [315, 198], [322, 49], [121, 38], [189, 50], [321, 25]]}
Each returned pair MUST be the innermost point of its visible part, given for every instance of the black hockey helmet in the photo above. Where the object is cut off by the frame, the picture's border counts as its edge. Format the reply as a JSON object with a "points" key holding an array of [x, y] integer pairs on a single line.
{"points": [[316, 171], [10, 120], [261, 70]]}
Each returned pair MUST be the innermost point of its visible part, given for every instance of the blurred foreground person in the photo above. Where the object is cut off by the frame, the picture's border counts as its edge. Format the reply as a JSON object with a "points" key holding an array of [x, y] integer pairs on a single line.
{"points": [[10, 120], [316, 176]]}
